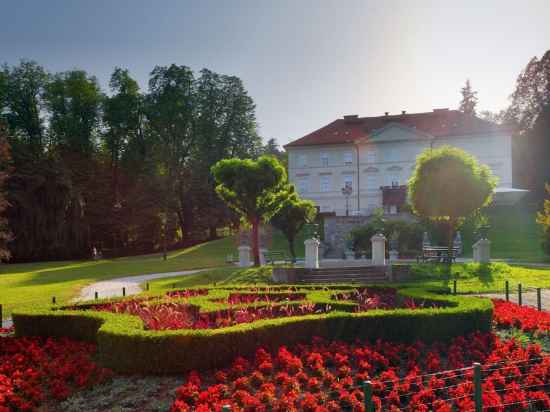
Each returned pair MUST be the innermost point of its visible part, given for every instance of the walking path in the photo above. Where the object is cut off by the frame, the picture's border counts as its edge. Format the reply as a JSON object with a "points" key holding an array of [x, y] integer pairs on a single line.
{"points": [[528, 298], [113, 287]]}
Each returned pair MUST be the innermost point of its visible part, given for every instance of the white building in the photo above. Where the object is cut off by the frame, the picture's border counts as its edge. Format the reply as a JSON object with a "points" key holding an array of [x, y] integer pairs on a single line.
{"points": [[375, 156]]}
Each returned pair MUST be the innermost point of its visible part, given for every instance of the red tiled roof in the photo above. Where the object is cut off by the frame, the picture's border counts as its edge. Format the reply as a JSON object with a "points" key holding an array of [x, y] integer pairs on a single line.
{"points": [[439, 123]]}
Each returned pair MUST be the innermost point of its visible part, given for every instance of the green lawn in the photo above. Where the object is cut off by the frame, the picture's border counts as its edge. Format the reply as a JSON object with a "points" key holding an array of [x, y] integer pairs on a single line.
{"points": [[471, 278], [475, 277], [514, 234], [35, 283]]}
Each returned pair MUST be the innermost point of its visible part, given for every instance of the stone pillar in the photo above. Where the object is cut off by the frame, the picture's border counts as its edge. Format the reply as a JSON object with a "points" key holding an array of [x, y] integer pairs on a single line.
{"points": [[482, 251], [457, 243], [244, 256], [378, 242], [312, 253], [262, 256]]}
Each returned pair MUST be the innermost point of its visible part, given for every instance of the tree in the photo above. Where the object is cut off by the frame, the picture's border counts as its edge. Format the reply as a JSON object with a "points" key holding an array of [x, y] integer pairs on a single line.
{"points": [[74, 100], [449, 185], [21, 103], [5, 233], [292, 216], [529, 113], [469, 99], [250, 188], [543, 218]]}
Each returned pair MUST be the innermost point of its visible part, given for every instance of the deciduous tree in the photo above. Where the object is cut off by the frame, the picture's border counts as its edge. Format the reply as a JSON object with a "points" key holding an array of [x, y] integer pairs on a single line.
{"points": [[5, 165], [449, 184], [293, 214], [250, 188]]}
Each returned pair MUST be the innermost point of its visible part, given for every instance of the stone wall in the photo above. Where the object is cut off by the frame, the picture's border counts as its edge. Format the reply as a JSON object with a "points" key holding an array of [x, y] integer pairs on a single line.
{"points": [[337, 229]]}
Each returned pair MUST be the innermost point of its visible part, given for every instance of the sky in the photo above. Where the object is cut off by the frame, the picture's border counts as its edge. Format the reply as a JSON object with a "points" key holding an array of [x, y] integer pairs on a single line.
{"points": [[305, 63]]}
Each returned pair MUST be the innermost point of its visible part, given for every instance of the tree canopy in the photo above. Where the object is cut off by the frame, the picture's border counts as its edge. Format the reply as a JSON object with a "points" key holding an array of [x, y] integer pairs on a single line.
{"points": [[103, 169], [449, 184], [469, 99], [293, 214], [251, 189]]}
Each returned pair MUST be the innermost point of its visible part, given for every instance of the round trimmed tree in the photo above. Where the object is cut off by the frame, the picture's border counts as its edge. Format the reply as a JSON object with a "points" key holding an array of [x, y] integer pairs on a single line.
{"points": [[449, 185], [252, 189]]}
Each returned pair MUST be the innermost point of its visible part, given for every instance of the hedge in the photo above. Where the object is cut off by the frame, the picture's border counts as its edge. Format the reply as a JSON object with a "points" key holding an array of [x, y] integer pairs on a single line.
{"points": [[124, 346]]}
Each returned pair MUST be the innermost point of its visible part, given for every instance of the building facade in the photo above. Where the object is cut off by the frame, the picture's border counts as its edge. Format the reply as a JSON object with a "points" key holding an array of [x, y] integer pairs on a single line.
{"points": [[373, 157]]}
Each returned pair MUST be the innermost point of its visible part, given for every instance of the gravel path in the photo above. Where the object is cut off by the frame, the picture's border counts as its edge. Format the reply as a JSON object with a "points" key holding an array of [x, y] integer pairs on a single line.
{"points": [[528, 298], [113, 287]]}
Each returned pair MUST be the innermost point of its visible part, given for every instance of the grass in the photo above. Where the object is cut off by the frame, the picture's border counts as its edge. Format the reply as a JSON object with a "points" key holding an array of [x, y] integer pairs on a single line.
{"points": [[31, 284], [514, 234], [471, 277], [480, 278]]}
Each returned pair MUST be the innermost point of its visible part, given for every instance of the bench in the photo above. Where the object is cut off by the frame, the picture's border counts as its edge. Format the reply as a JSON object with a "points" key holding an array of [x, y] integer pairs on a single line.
{"points": [[273, 256], [438, 254]]}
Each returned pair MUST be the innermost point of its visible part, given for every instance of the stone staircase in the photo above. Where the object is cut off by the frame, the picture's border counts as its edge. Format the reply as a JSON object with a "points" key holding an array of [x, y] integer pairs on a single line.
{"points": [[358, 274]]}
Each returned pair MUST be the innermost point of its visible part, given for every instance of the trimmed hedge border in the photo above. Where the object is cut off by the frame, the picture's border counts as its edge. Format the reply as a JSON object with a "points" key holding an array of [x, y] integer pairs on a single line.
{"points": [[124, 346]]}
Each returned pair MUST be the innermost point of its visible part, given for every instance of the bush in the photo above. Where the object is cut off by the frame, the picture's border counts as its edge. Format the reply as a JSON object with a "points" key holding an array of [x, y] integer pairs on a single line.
{"points": [[125, 346], [408, 235]]}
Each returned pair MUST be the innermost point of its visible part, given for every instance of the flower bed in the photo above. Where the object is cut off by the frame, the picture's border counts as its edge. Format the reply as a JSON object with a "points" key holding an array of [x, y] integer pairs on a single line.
{"points": [[173, 316], [35, 370], [381, 298], [528, 319], [154, 343], [255, 297], [328, 376]]}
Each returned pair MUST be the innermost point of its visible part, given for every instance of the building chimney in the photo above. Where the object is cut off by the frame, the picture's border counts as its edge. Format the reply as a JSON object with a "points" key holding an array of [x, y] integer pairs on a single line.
{"points": [[350, 117], [403, 111], [386, 113], [446, 109]]}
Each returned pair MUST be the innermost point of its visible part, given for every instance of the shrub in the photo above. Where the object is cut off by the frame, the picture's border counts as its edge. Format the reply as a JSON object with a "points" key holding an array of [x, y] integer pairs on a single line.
{"points": [[407, 234], [125, 346]]}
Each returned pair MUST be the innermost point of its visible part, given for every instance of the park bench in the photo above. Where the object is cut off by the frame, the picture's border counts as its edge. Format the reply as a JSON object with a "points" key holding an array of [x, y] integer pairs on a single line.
{"points": [[273, 256], [437, 254]]}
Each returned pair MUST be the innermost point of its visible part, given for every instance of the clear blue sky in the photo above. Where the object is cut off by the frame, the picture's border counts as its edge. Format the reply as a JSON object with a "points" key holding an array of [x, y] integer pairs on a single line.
{"points": [[305, 63]]}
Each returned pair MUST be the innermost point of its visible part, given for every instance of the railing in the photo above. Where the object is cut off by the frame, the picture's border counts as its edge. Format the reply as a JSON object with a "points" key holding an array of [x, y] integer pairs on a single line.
{"points": [[476, 375]]}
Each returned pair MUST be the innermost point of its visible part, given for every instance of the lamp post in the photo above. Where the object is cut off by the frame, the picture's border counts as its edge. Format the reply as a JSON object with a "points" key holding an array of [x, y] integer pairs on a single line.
{"points": [[347, 191]]}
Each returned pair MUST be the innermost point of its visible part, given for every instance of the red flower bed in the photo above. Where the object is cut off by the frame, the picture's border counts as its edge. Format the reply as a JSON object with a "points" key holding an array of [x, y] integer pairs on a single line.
{"points": [[35, 370], [528, 319], [175, 315], [327, 376], [186, 293], [249, 298], [380, 298]]}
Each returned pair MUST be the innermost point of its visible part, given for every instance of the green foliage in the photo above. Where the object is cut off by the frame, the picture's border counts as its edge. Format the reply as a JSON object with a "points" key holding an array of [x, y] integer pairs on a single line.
{"points": [[543, 218], [293, 214], [449, 185], [5, 160], [251, 189], [106, 171], [407, 235], [126, 347], [469, 99]]}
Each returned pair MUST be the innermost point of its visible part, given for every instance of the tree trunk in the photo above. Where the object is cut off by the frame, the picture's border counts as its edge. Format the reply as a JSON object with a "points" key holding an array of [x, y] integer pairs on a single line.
{"points": [[450, 241], [291, 249], [255, 240]]}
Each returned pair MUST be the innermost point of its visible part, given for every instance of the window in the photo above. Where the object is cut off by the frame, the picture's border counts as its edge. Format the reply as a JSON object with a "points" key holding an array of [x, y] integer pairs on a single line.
{"points": [[325, 183], [324, 159], [302, 184], [302, 160], [372, 182], [348, 158], [391, 154], [326, 208], [371, 156], [348, 181]]}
